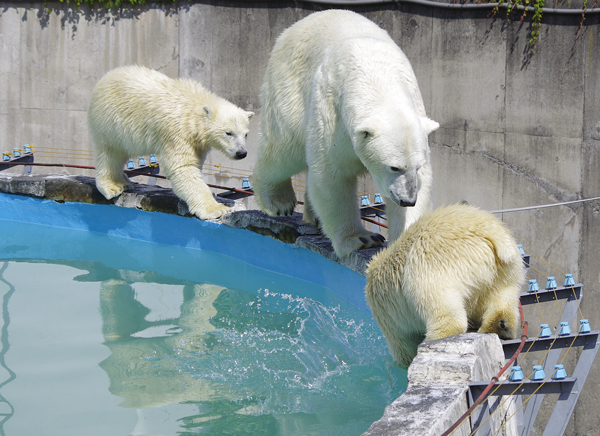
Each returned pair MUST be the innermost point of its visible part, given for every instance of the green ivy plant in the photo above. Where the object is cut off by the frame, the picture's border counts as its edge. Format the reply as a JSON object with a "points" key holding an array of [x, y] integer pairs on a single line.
{"points": [[513, 6], [585, 7], [537, 21]]}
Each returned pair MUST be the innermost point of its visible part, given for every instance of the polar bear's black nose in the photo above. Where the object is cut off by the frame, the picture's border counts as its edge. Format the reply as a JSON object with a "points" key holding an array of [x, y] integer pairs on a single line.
{"points": [[241, 154], [408, 203]]}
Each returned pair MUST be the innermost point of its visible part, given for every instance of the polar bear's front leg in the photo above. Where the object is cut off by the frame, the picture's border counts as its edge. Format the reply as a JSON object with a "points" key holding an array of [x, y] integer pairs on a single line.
{"points": [[272, 181], [445, 317], [336, 206], [190, 187], [402, 339], [111, 180], [275, 197]]}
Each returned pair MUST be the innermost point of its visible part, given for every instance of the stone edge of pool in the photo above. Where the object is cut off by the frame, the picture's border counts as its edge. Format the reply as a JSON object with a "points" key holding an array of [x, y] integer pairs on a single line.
{"points": [[82, 189], [438, 377]]}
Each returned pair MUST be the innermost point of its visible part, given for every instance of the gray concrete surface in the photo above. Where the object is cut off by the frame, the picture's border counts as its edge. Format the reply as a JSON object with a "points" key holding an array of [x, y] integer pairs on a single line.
{"points": [[438, 380], [517, 128]]}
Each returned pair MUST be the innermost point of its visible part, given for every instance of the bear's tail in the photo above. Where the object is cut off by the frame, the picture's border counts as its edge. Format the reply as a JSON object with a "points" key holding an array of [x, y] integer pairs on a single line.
{"points": [[506, 250], [502, 242], [509, 263]]}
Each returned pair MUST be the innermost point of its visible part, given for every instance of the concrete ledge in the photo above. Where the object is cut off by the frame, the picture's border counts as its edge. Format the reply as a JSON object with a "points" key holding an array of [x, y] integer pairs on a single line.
{"points": [[438, 380], [82, 189]]}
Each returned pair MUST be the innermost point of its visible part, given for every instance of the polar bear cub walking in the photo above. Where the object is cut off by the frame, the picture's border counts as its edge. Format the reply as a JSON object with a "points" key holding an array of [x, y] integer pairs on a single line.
{"points": [[340, 99], [455, 268], [135, 110]]}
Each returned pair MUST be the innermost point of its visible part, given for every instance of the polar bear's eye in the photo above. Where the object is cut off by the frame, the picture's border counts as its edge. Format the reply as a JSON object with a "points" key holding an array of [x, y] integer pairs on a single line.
{"points": [[395, 169], [229, 133]]}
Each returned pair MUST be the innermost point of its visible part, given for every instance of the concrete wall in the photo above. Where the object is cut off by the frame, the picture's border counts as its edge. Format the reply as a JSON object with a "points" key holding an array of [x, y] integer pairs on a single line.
{"points": [[518, 128]]}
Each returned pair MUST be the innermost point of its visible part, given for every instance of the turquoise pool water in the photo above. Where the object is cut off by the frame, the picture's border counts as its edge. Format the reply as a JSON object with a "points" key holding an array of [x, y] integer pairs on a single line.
{"points": [[106, 334]]}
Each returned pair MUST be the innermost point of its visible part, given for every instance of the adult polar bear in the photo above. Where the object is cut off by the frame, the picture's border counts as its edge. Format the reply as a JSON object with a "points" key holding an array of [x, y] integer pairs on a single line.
{"points": [[339, 99], [135, 110]]}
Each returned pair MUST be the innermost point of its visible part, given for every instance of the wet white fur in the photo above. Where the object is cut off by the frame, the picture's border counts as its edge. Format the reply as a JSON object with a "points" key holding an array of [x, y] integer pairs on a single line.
{"points": [[456, 267], [136, 111], [340, 99]]}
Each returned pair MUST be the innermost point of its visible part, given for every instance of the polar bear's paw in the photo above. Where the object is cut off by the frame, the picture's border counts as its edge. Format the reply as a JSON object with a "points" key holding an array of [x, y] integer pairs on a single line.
{"points": [[110, 189], [309, 217], [358, 242], [280, 205], [212, 211]]}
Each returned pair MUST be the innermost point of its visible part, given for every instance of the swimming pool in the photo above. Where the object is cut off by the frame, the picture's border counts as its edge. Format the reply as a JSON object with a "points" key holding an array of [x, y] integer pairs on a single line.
{"points": [[119, 321]]}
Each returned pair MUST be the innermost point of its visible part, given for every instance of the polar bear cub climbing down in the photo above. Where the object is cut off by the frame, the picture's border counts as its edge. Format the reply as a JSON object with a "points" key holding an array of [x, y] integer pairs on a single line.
{"points": [[135, 110], [340, 99], [455, 268]]}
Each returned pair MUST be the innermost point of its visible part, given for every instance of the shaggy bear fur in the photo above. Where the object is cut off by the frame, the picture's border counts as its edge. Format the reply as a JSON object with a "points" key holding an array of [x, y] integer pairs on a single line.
{"points": [[455, 268]]}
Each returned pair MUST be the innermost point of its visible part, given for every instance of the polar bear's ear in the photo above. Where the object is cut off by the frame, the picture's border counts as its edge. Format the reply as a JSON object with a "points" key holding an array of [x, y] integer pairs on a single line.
{"points": [[249, 114], [363, 133], [429, 125], [208, 111]]}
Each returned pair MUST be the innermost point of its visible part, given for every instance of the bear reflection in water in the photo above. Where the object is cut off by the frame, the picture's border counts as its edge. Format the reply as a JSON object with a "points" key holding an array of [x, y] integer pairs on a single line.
{"points": [[141, 341]]}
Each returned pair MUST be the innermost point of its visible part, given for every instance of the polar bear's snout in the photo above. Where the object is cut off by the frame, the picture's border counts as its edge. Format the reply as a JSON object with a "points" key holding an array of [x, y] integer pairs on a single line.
{"points": [[235, 147], [239, 151], [404, 190]]}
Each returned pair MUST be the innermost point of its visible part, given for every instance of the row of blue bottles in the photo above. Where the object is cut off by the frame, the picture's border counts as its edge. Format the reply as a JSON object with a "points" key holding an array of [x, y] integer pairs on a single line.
{"points": [[142, 162], [538, 373], [550, 283], [17, 152], [364, 199], [564, 329]]}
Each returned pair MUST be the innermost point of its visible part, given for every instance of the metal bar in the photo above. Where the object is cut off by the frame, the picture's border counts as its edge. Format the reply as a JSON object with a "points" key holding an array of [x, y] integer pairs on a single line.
{"points": [[236, 194], [144, 170], [571, 308], [563, 292], [24, 159], [480, 424], [589, 342], [543, 344], [520, 414], [533, 406], [565, 405], [525, 387], [376, 209], [531, 412]]}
